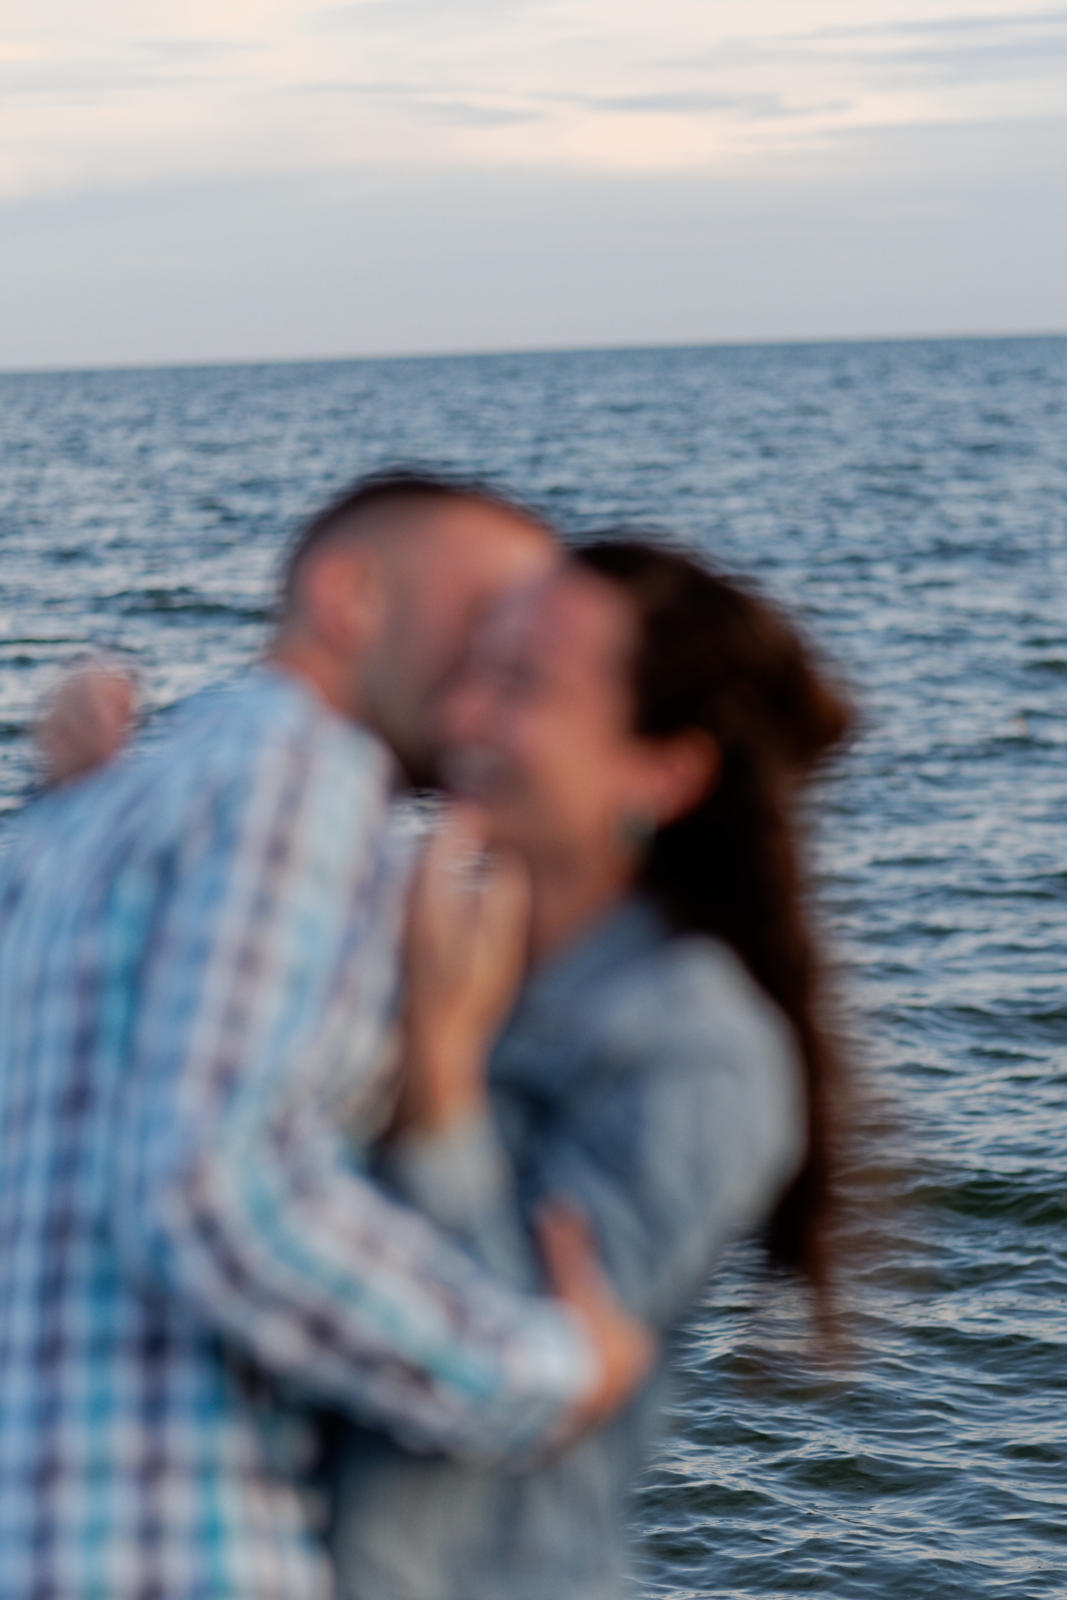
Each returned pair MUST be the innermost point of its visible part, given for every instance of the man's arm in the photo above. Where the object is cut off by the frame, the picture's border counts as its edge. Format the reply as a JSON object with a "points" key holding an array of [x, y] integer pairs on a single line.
{"points": [[232, 1194]]}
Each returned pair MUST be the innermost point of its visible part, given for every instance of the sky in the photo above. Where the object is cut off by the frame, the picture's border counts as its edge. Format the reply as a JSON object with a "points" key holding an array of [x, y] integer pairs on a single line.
{"points": [[186, 180]]}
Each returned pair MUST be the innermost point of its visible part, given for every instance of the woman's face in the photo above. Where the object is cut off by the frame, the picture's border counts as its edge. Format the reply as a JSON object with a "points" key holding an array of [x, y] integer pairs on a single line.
{"points": [[537, 726]]}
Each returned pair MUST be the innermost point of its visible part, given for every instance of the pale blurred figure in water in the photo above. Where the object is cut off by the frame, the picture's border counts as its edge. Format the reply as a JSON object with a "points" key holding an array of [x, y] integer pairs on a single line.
{"points": [[636, 733]]}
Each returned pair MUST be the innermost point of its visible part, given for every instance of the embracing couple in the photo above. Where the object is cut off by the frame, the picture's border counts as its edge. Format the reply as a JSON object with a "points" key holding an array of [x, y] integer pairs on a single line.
{"points": [[348, 1203]]}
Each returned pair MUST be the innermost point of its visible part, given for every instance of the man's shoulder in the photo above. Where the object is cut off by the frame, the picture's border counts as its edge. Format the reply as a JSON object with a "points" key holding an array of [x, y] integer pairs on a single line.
{"points": [[225, 742], [262, 722], [265, 706]]}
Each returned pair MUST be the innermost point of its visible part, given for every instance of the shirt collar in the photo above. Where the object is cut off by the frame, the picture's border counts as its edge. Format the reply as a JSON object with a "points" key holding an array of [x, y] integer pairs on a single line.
{"points": [[629, 930]]}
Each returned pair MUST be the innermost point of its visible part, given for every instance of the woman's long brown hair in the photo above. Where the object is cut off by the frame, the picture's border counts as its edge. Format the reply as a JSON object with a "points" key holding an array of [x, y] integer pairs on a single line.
{"points": [[712, 655]]}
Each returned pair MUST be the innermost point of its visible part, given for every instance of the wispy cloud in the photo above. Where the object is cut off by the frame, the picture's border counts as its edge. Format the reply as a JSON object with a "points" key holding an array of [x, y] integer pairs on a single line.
{"points": [[954, 49], [397, 14], [944, 27], [989, 48], [755, 106], [144, 65], [194, 51], [564, 85], [471, 114], [412, 100], [72, 85]]}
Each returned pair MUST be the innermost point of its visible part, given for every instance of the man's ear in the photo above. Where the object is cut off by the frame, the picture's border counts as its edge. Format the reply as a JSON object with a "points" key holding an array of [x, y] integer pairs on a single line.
{"points": [[344, 596], [683, 771]]}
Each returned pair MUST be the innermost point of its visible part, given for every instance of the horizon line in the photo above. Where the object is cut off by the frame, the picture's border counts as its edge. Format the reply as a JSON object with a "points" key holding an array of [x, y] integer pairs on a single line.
{"points": [[211, 362]]}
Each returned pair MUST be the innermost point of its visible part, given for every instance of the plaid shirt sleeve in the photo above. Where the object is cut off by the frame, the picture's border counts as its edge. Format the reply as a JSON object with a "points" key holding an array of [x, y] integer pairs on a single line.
{"points": [[233, 1193]]}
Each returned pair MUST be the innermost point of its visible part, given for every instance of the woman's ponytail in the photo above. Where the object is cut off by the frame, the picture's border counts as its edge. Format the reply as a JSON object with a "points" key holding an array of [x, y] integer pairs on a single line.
{"points": [[713, 656]]}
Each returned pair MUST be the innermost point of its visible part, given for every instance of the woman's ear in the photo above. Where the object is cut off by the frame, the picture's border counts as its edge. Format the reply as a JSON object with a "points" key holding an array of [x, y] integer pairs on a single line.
{"points": [[683, 770]]}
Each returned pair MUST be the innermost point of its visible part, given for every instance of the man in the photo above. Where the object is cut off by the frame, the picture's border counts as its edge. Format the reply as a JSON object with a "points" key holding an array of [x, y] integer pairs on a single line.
{"points": [[196, 946]]}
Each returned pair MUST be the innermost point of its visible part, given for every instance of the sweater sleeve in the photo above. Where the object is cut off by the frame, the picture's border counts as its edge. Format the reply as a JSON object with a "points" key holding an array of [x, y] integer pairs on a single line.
{"points": [[681, 1129]]}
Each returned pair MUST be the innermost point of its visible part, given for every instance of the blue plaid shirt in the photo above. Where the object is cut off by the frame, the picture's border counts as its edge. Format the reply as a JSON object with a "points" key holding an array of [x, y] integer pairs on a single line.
{"points": [[196, 949]]}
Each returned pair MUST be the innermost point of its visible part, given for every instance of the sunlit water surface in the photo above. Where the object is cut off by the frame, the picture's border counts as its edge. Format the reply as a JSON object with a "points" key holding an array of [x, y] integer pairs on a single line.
{"points": [[911, 500]]}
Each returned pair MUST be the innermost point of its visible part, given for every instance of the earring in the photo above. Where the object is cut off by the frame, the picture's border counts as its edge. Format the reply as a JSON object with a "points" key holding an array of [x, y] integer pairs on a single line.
{"points": [[636, 830]]}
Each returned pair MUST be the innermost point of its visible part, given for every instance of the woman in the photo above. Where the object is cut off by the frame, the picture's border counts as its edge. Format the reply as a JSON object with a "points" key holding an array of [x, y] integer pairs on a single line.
{"points": [[637, 733]]}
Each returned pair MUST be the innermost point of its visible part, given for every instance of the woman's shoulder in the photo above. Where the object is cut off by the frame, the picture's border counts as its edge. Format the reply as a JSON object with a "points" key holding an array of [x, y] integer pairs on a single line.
{"points": [[688, 1003], [687, 979], [709, 1068]]}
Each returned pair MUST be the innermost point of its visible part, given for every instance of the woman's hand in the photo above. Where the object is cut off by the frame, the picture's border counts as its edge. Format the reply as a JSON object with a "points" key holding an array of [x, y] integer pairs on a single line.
{"points": [[86, 721], [465, 955]]}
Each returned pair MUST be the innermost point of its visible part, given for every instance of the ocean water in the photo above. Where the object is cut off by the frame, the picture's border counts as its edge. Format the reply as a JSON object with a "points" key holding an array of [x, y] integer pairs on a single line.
{"points": [[911, 501]]}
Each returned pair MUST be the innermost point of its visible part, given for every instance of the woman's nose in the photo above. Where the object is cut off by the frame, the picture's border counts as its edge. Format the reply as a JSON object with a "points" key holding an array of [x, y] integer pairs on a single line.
{"points": [[466, 709]]}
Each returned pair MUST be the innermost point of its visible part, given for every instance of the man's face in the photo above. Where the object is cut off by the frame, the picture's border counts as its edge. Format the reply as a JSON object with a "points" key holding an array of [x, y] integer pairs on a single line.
{"points": [[461, 560]]}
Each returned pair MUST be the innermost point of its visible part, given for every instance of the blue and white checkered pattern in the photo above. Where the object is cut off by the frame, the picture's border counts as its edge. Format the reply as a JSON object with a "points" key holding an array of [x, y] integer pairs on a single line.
{"points": [[195, 944]]}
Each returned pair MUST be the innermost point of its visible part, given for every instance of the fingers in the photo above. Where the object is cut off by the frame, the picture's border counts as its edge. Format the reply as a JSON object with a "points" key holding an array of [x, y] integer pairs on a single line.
{"points": [[466, 945], [446, 866], [440, 894], [108, 710], [571, 1264], [624, 1348], [505, 907], [456, 882], [459, 839], [87, 721], [466, 823]]}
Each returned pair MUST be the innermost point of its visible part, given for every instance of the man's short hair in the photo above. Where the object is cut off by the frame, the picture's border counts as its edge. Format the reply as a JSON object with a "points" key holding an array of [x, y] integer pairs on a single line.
{"points": [[389, 490]]}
